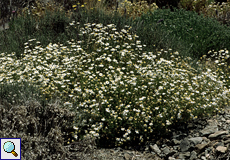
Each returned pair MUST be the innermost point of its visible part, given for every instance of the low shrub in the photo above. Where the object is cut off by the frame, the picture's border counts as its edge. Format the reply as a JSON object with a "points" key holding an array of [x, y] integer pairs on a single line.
{"points": [[135, 9], [220, 12], [191, 5], [126, 96], [200, 34], [44, 132]]}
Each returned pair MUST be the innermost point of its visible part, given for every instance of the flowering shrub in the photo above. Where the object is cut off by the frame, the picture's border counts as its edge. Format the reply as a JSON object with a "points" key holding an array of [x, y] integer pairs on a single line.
{"points": [[136, 9], [221, 12], [122, 94], [192, 5]]}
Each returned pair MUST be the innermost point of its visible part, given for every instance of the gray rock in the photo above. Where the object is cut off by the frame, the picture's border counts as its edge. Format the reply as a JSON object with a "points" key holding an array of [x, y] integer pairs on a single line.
{"points": [[127, 156], [176, 147], [196, 140], [211, 128], [218, 144], [225, 137], [166, 151], [175, 141], [184, 155], [227, 141], [218, 133], [206, 139], [184, 145], [193, 156], [203, 158], [155, 148]]}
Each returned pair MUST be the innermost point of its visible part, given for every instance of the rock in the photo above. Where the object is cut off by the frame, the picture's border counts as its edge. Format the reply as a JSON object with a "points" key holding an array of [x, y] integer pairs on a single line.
{"points": [[184, 155], [201, 146], [196, 140], [175, 141], [193, 156], [218, 133], [225, 137], [221, 149], [184, 145], [203, 158], [211, 128], [206, 139], [155, 148], [227, 141], [166, 151], [127, 156]]}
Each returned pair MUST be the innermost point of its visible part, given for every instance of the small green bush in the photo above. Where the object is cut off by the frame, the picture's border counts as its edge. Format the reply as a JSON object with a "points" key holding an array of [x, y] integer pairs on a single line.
{"points": [[200, 34]]}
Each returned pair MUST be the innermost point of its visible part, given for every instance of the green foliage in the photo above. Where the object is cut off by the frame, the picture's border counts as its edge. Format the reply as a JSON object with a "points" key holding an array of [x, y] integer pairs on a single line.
{"points": [[199, 33], [49, 24], [17, 93]]}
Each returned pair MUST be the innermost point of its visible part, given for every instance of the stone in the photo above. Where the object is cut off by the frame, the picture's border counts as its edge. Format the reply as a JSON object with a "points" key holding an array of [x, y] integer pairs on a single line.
{"points": [[127, 156], [184, 155], [175, 141], [184, 145], [227, 141], [201, 146], [218, 144], [225, 137], [223, 119], [193, 156], [166, 151], [211, 128], [155, 148], [221, 149], [203, 158], [196, 140], [218, 133]]}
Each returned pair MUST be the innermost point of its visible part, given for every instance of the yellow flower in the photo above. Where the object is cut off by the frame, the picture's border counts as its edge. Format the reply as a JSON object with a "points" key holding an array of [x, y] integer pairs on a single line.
{"points": [[74, 6]]}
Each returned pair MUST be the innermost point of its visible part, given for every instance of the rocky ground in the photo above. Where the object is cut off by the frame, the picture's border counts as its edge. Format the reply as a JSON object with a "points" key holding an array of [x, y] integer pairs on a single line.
{"points": [[205, 139]]}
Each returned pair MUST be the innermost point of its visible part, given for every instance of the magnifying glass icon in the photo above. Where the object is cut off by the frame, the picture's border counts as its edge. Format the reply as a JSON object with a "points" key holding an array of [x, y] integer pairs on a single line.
{"points": [[9, 147]]}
